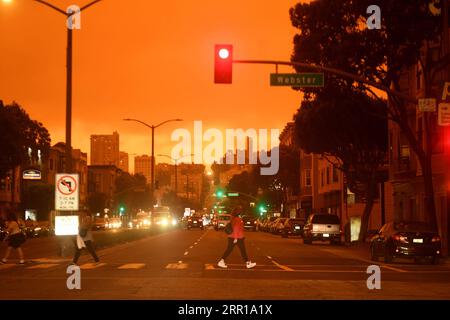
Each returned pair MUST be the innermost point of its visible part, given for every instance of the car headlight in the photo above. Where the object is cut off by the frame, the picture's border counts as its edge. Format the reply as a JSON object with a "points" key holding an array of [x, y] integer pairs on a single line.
{"points": [[164, 222], [174, 222]]}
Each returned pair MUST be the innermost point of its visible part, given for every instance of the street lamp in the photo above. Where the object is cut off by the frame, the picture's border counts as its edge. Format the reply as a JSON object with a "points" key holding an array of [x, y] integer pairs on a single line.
{"points": [[153, 127], [69, 15], [176, 164]]}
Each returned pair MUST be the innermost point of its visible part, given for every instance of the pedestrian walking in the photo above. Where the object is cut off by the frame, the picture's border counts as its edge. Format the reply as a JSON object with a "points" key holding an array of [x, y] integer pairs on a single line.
{"points": [[236, 237], [84, 237], [15, 236]]}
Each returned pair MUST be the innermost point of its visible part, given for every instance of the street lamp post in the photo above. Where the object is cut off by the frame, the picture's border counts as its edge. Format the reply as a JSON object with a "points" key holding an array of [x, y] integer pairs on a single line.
{"points": [[176, 166], [68, 150], [152, 127]]}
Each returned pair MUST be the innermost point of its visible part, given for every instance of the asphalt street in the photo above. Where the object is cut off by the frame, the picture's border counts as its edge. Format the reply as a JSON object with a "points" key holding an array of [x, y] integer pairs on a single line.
{"points": [[182, 264]]}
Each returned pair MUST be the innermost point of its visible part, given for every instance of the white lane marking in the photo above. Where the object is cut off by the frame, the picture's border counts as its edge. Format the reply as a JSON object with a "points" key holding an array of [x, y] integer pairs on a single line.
{"points": [[49, 260], [191, 247], [43, 266], [132, 266], [177, 266], [186, 253], [180, 261], [269, 257], [90, 266]]}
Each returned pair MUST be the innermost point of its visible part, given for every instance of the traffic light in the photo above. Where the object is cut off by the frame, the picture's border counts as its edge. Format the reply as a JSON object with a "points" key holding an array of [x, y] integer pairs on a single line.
{"points": [[121, 210], [219, 193], [223, 63]]}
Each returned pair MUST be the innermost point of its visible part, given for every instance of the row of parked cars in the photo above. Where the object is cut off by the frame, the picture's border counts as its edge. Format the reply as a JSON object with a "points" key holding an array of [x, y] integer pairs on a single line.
{"points": [[282, 226], [401, 239]]}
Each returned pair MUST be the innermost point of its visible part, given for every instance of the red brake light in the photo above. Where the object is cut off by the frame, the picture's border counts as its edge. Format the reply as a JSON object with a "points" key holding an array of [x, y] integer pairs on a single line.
{"points": [[436, 239], [400, 238]]}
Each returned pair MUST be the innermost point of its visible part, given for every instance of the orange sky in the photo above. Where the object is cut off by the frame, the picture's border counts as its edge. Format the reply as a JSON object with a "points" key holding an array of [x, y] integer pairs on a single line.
{"points": [[150, 60]]}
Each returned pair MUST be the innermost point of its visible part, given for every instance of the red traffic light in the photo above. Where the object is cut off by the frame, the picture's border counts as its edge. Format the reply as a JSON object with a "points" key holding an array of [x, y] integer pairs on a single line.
{"points": [[223, 63]]}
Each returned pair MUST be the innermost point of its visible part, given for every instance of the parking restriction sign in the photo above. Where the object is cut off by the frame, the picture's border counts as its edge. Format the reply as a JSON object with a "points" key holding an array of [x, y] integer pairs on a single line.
{"points": [[67, 192]]}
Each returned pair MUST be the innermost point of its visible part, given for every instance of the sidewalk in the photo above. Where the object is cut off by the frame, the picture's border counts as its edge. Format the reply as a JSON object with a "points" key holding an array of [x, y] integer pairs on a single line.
{"points": [[362, 251]]}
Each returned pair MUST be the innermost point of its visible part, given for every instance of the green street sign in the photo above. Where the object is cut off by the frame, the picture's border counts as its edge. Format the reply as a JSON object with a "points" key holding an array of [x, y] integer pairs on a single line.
{"points": [[302, 80], [233, 194]]}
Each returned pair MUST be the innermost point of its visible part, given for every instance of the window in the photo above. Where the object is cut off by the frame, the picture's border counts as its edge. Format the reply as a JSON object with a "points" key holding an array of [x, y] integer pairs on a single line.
{"points": [[328, 175], [321, 178], [307, 178], [335, 175]]}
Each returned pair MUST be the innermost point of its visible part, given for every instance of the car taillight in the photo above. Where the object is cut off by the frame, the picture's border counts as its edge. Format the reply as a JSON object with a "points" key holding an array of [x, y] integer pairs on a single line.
{"points": [[436, 239], [400, 238]]}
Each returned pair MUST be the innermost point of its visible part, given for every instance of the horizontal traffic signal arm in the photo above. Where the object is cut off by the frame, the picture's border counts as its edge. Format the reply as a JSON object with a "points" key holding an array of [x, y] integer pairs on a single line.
{"points": [[336, 72]]}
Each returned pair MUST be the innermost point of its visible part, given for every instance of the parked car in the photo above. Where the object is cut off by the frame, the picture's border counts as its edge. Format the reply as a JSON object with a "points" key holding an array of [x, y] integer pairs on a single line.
{"points": [[293, 227], [278, 226], [324, 227], [250, 223], [221, 221], [407, 239], [267, 223], [33, 229], [195, 221]]}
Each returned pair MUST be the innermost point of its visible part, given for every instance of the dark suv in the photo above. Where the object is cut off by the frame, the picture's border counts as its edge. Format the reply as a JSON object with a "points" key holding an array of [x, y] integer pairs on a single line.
{"points": [[292, 227], [250, 223], [194, 222]]}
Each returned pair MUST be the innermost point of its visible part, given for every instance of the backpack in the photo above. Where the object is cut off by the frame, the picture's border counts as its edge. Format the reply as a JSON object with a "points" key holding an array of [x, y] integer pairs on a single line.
{"points": [[228, 228]]}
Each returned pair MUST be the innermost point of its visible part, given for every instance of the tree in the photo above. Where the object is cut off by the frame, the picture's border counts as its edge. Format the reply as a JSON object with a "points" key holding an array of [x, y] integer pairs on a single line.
{"points": [[332, 33], [132, 192], [97, 202], [348, 128], [39, 197], [22, 140]]}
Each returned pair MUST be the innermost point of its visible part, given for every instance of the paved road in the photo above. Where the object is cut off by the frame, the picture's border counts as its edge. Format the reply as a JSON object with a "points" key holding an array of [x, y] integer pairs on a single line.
{"points": [[181, 264]]}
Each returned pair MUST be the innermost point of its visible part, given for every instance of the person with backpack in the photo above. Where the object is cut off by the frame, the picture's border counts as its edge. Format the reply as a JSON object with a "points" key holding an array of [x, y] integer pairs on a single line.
{"points": [[84, 237], [15, 237], [235, 231]]}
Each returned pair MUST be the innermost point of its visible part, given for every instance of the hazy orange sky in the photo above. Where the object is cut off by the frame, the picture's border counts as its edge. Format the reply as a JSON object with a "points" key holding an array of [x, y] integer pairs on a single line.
{"points": [[150, 60]]}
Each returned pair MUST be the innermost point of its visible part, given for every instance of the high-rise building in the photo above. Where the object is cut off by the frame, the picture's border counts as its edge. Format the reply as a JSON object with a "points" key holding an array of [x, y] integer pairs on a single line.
{"points": [[143, 165], [105, 149], [123, 161]]}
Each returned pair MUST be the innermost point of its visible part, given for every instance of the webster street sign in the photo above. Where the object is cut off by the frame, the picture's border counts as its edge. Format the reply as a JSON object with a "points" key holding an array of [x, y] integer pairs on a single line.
{"points": [[302, 80]]}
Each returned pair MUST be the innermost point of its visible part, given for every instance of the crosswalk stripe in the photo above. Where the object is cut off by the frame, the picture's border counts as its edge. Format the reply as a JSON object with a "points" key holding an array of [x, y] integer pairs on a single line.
{"points": [[132, 266], [6, 266], [209, 266], [89, 266], [177, 266], [44, 266]]}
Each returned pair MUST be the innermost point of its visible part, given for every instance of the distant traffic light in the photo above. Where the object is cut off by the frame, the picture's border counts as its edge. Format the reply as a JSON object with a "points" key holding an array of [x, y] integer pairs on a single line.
{"points": [[223, 63], [219, 193], [122, 210]]}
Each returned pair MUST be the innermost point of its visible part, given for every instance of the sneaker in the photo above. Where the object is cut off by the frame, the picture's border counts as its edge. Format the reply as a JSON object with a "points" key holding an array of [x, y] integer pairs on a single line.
{"points": [[250, 264], [222, 264], [3, 261], [22, 262]]}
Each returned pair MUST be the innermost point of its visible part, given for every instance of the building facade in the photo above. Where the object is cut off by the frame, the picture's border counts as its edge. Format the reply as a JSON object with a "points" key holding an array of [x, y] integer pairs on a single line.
{"points": [[105, 149], [123, 161], [143, 165], [102, 179]]}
